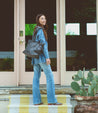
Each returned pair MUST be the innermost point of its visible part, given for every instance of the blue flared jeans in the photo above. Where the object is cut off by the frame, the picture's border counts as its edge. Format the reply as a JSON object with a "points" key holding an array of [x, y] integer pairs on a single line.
{"points": [[50, 83]]}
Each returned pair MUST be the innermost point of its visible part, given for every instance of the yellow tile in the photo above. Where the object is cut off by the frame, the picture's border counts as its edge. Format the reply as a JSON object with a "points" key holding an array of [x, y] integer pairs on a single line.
{"points": [[24, 110], [24, 100], [8, 110], [62, 109], [44, 99], [61, 99], [9, 100], [43, 109]]}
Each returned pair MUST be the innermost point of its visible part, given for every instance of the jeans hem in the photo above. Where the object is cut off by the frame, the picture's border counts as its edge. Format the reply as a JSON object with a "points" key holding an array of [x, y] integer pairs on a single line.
{"points": [[37, 102]]}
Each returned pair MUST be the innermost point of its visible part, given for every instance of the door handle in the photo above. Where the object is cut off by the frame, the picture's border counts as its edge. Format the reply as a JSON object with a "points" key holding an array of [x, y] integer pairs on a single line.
{"points": [[21, 41]]}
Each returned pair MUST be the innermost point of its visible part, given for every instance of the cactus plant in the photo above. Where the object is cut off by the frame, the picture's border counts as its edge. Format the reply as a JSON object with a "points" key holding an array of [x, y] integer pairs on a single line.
{"points": [[89, 84]]}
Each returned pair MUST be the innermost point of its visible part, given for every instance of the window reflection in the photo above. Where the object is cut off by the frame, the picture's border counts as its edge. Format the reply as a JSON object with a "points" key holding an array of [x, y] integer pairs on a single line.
{"points": [[7, 35], [47, 7], [91, 29], [81, 48], [71, 29]]}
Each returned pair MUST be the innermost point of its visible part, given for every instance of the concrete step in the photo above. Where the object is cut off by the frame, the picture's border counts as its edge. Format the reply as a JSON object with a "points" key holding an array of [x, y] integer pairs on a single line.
{"points": [[28, 99], [40, 109], [24, 104], [27, 89]]}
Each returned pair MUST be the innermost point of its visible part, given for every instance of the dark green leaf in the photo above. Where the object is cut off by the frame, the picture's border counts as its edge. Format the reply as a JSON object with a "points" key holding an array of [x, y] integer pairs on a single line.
{"points": [[75, 86]]}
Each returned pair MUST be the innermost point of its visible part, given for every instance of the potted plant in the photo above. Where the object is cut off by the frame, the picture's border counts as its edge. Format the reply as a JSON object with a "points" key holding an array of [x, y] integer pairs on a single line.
{"points": [[86, 92]]}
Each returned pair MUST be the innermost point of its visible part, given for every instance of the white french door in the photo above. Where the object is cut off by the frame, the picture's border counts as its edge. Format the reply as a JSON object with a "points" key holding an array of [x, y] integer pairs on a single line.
{"points": [[8, 43], [70, 38], [72, 44], [28, 10], [78, 33]]}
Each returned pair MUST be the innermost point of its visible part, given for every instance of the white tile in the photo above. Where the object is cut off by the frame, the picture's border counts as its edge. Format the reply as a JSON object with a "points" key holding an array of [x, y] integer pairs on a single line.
{"points": [[52, 109]]}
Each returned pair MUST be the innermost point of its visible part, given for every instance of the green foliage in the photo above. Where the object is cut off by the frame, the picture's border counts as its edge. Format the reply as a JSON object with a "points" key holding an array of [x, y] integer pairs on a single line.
{"points": [[83, 92], [96, 78], [80, 74], [91, 81], [29, 28], [55, 29], [70, 33], [75, 86], [76, 78]]}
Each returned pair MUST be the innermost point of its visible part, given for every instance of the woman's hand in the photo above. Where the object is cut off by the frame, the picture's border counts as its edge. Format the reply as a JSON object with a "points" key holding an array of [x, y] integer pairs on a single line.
{"points": [[48, 61]]}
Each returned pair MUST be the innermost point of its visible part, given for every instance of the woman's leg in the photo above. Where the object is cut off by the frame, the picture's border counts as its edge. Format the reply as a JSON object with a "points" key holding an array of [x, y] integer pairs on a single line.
{"points": [[50, 83], [35, 85]]}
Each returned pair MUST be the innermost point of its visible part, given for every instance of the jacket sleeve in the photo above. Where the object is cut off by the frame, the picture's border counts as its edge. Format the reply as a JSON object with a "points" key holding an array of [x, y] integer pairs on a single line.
{"points": [[42, 40]]}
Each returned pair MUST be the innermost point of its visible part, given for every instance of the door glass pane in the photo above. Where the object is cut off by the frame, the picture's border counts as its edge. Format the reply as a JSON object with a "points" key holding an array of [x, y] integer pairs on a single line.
{"points": [[48, 8], [91, 28], [81, 44], [7, 35]]}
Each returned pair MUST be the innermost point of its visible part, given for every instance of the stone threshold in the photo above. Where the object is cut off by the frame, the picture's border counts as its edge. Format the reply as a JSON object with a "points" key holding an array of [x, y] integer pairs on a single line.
{"points": [[27, 89]]}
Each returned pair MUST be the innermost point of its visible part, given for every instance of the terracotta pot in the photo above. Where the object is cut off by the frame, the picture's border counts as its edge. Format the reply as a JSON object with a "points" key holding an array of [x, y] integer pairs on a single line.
{"points": [[86, 104]]}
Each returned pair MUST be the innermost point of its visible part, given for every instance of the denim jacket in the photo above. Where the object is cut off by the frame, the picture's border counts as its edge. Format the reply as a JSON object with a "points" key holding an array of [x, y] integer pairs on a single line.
{"points": [[45, 55]]}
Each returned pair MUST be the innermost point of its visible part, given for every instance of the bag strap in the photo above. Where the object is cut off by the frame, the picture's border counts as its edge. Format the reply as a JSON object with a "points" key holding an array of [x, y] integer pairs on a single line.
{"points": [[37, 29]]}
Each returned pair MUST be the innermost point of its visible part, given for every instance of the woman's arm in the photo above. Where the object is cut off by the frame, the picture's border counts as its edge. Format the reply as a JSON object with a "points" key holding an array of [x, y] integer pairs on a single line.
{"points": [[41, 37]]}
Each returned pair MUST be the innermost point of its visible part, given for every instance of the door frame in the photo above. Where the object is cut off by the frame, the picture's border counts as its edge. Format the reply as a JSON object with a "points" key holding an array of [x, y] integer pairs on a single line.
{"points": [[26, 77], [11, 78], [66, 76], [17, 41]]}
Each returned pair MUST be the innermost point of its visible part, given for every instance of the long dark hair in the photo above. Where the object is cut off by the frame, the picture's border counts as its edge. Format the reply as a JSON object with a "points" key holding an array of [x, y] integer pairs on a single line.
{"points": [[38, 24]]}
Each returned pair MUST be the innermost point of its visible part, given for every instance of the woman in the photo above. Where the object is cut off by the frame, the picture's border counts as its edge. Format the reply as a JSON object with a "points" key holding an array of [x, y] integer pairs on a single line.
{"points": [[43, 63]]}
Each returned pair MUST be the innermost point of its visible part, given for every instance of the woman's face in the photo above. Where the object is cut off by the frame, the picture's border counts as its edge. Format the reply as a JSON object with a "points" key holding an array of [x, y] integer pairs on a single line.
{"points": [[42, 20]]}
